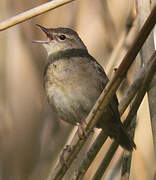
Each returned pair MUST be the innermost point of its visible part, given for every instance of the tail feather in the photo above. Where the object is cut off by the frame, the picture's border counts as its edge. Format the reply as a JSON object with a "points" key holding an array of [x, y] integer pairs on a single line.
{"points": [[125, 140]]}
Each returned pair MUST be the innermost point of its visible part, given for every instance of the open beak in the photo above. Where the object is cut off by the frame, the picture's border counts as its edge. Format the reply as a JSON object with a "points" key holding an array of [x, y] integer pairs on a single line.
{"points": [[46, 31]]}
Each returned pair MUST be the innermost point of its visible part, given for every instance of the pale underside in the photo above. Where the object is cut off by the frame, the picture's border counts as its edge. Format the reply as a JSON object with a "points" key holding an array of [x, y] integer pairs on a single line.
{"points": [[73, 86]]}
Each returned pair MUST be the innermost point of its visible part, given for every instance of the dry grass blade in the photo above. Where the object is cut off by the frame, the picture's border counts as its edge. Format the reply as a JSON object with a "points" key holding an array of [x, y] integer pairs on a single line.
{"points": [[105, 162], [150, 71], [143, 10], [90, 155], [127, 156], [128, 122], [32, 13], [127, 98]]}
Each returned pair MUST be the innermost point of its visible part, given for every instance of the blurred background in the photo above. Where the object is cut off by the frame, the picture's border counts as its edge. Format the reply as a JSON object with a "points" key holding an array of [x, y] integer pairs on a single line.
{"points": [[31, 136]]}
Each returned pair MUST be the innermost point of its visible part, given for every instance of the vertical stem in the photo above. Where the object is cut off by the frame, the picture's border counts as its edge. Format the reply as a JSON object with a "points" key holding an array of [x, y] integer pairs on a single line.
{"points": [[144, 10]]}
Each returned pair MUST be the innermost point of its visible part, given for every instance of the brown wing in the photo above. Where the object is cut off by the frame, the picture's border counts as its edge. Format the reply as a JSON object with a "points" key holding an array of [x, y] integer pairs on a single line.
{"points": [[110, 121]]}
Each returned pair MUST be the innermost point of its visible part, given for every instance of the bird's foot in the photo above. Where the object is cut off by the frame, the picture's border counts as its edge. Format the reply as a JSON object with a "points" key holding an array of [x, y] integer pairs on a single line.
{"points": [[81, 129], [65, 150]]}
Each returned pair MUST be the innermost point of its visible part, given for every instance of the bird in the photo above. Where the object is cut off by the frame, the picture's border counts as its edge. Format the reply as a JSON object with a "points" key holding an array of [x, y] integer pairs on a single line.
{"points": [[73, 81]]}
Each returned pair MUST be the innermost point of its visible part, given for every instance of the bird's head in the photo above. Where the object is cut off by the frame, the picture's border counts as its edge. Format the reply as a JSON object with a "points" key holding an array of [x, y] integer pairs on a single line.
{"points": [[60, 39]]}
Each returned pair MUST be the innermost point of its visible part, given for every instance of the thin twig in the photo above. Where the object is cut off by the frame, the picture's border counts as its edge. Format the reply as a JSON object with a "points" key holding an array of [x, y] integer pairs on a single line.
{"points": [[105, 162], [134, 108], [148, 48], [32, 13], [90, 155], [127, 156], [132, 90], [150, 71], [94, 149], [104, 99], [140, 94], [144, 72]]}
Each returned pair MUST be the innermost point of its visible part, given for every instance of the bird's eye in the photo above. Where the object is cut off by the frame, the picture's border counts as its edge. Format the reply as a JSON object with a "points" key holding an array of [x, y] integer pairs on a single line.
{"points": [[62, 37]]}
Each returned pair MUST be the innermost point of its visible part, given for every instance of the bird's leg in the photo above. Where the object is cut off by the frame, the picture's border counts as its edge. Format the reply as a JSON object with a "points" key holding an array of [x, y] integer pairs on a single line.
{"points": [[81, 129], [66, 149]]}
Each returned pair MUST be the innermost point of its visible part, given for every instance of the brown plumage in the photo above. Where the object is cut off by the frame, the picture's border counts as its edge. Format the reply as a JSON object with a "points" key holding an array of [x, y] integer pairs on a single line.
{"points": [[73, 82]]}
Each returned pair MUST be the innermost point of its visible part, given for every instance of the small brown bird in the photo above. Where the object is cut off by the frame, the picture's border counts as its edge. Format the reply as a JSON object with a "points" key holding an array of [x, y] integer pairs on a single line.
{"points": [[74, 80]]}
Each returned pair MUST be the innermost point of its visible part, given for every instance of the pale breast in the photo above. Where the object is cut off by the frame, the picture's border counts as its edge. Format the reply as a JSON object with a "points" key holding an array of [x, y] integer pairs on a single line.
{"points": [[72, 87]]}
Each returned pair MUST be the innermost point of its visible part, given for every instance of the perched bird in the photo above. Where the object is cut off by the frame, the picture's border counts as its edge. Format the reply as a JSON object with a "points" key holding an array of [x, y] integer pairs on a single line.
{"points": [[74, 80]]}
